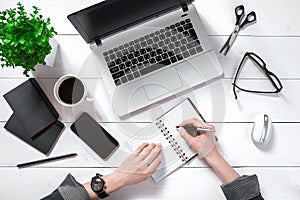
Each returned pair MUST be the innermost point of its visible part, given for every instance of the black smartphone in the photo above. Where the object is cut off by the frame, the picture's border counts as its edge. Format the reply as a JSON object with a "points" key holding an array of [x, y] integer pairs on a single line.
{"points": [[95, 136]]}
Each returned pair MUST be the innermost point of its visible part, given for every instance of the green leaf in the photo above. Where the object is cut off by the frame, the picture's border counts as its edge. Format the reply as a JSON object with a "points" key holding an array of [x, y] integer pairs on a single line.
{"points": [[22, 40], [9, 37], [6, 41], [21, 12], [9, 27], [35, 8]]}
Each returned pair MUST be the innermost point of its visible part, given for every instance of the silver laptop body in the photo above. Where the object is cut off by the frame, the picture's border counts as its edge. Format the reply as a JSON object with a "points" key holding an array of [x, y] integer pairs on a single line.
{"points": [[132, 90]]}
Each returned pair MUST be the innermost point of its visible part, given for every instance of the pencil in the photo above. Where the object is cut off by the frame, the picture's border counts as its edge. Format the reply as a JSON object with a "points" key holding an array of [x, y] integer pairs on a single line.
{"points": [[191, 128], [38, 162]]}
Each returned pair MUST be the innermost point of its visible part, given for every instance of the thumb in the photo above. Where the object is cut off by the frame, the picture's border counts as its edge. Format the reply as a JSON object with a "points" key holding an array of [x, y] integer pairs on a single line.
{"points": [[186, 136]]}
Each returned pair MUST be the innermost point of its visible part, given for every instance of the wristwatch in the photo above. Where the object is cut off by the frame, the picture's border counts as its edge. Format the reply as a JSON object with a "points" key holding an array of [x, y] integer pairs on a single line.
{"points": [[97, 185]]}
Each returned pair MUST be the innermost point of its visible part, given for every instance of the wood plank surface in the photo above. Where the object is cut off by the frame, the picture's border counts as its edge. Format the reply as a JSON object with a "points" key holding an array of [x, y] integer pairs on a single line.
{"points": [[275, 37], [235, 144], [73, 52], [279, 19], [197, 183], [216, 102]]}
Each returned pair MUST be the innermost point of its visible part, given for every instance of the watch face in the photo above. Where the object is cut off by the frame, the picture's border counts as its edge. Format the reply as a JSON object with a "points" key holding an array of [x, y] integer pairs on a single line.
{"points": [[97, 184]]}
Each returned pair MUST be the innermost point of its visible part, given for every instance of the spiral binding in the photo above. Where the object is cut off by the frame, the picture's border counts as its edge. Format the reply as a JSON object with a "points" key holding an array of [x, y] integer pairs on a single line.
{"points": [[171, 140]]}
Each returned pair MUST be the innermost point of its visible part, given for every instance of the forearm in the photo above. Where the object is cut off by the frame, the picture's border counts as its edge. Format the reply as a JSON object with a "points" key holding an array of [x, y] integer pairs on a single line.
{"points": [[235, 187], [136, 168], [89, 190], [224, 171]]}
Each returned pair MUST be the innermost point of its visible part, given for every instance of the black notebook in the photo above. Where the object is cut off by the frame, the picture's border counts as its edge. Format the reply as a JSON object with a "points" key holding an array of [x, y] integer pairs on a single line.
{"points": [[42, 142], [32, 107]]}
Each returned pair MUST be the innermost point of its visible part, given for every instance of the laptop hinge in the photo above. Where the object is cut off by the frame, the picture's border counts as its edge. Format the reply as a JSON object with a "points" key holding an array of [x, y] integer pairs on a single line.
{"points": [[184, 7], [98, 42]]}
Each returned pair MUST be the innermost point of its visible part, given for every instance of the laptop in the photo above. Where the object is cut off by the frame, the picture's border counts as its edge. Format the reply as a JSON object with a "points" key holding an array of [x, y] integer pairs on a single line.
{"points": [[150, 50]]}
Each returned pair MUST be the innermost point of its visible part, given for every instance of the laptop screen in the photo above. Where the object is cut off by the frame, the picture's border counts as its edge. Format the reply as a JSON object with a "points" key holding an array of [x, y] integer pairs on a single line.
{"points": [[111, 16]]}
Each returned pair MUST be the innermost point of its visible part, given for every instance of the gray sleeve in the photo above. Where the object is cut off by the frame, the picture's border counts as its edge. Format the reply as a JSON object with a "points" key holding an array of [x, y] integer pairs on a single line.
{"points": [[243, 188], [70, 189]]}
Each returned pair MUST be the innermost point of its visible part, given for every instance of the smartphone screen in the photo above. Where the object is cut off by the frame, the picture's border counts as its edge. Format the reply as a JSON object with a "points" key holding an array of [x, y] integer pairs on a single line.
{"points": [[94, 135]]}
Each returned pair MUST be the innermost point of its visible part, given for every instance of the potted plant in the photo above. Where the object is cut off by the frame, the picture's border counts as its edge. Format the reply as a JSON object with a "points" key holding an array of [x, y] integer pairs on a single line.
{"points": [[24, 38]]}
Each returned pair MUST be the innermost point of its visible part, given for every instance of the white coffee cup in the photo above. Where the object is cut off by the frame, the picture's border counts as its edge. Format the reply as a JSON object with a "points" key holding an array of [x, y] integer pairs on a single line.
{"points": [[70, 91]]}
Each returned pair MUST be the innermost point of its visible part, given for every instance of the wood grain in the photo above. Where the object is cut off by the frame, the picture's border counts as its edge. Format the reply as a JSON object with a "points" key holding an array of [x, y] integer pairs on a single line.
{"points": [[195, 183], [216, 102], [275, 37], [235, 144], [279, 19]]}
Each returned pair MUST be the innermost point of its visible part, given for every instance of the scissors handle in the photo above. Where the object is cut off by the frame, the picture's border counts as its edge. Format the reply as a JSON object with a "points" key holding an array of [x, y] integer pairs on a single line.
{"points": [[251, 17], [239, 14]]}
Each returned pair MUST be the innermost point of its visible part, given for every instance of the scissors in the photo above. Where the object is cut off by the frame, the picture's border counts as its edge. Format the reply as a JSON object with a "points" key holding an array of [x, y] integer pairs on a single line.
{"points": [[239, 14]]}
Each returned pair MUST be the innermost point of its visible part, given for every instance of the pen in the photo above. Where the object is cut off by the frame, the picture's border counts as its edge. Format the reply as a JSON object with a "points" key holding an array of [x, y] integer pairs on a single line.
{"points": [[37, 162], [192, 128]]}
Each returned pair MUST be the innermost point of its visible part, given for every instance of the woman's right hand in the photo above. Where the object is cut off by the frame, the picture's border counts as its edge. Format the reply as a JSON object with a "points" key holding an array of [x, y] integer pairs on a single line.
{"points": [[204, 143]]}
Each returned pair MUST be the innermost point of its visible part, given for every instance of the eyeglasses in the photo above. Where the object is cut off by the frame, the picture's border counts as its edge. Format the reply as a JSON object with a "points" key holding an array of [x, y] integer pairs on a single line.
{"points": [[260, 63]]}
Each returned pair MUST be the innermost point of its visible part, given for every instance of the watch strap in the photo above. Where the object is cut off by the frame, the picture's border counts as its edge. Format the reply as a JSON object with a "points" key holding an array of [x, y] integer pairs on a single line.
{"points": [[101, 194]]}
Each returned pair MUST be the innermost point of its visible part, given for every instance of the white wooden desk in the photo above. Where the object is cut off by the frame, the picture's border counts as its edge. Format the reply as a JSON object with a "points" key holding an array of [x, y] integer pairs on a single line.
{"points": [[275, 37]]}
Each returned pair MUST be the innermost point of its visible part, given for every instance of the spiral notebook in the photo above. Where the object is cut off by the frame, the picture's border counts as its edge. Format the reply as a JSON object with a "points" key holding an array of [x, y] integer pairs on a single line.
{"points": [[176, 151]]}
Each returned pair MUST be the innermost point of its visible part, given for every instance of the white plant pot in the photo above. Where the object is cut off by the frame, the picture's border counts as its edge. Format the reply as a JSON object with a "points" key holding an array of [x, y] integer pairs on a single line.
{"points": [[50, 58]]}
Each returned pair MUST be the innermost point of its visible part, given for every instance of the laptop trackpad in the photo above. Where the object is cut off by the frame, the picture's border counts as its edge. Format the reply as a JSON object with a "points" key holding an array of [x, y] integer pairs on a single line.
{"points": [[161, 83]]}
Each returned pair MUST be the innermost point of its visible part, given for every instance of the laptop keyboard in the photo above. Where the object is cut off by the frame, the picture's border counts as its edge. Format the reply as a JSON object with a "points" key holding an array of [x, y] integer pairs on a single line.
{"points": [[152, 52]]}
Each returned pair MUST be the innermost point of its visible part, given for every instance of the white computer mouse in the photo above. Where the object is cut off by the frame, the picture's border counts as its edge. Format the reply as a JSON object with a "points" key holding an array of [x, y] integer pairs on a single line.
{"points": [[262, 129]]}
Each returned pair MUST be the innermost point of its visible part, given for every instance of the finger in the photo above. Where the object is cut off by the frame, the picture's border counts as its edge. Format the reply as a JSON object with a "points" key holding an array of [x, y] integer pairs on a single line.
{"points": [[154, 165], [141, 148], [193, 122], [210, 126], [186, 136], [146, 151], [153, 154]]}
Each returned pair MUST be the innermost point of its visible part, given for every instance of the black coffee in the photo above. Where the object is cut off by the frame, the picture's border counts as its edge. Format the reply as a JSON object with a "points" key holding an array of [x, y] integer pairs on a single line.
{"points": [[71, 91]]}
